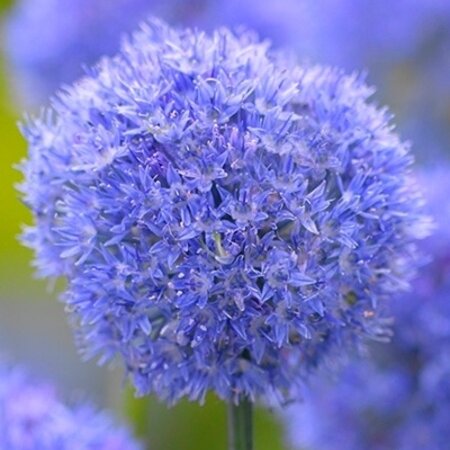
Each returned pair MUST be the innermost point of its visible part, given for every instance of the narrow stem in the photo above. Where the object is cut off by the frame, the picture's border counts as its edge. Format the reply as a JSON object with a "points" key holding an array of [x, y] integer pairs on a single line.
{"points": [[240, 425]]}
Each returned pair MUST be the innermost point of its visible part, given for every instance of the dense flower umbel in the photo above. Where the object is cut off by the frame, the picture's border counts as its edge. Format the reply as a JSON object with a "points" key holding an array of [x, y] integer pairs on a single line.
{"points": [[32, 417], [226, 221], [400, 398], [48, 42]]}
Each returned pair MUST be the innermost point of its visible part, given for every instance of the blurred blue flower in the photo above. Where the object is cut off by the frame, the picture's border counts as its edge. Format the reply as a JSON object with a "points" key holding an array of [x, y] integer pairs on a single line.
{"points": [[48, 42], [400, 397], [32, 417], [226, 220], [336, 31]]}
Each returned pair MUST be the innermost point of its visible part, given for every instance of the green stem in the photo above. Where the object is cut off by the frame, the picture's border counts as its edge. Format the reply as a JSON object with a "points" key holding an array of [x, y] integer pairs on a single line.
{"points": [[240, 425]]}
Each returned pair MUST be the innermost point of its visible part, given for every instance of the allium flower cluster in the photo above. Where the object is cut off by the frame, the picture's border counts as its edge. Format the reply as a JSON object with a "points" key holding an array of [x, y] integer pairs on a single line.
{"points": [[48, 42], [226, 221], [32, 417], [400, 398]]}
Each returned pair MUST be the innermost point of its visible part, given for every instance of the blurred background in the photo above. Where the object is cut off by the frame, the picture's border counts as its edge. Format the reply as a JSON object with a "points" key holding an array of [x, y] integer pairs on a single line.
{"points": [[45, 43]]}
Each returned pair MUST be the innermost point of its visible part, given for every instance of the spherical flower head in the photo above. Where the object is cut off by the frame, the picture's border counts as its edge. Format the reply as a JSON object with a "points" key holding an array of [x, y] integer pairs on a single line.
{"points": [[32, 417], [48, 42], [226, 221], [400, 397]]}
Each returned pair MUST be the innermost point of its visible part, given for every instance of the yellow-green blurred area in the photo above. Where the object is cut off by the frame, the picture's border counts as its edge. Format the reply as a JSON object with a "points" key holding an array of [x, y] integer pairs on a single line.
{"points": [[34, 330]]}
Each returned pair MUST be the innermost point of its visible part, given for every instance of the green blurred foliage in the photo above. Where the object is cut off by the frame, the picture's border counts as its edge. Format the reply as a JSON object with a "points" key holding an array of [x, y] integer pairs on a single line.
{"points": [[5, 4], [13, 257], [186, 426], [189, 426], [12, 254]]}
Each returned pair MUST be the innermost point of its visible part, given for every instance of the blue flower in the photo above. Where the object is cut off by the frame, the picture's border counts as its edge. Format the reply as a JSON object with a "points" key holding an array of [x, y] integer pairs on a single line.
{"points": [[335, 31], [32, 417], [226, 220], [400, 397], [48, 42]]}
